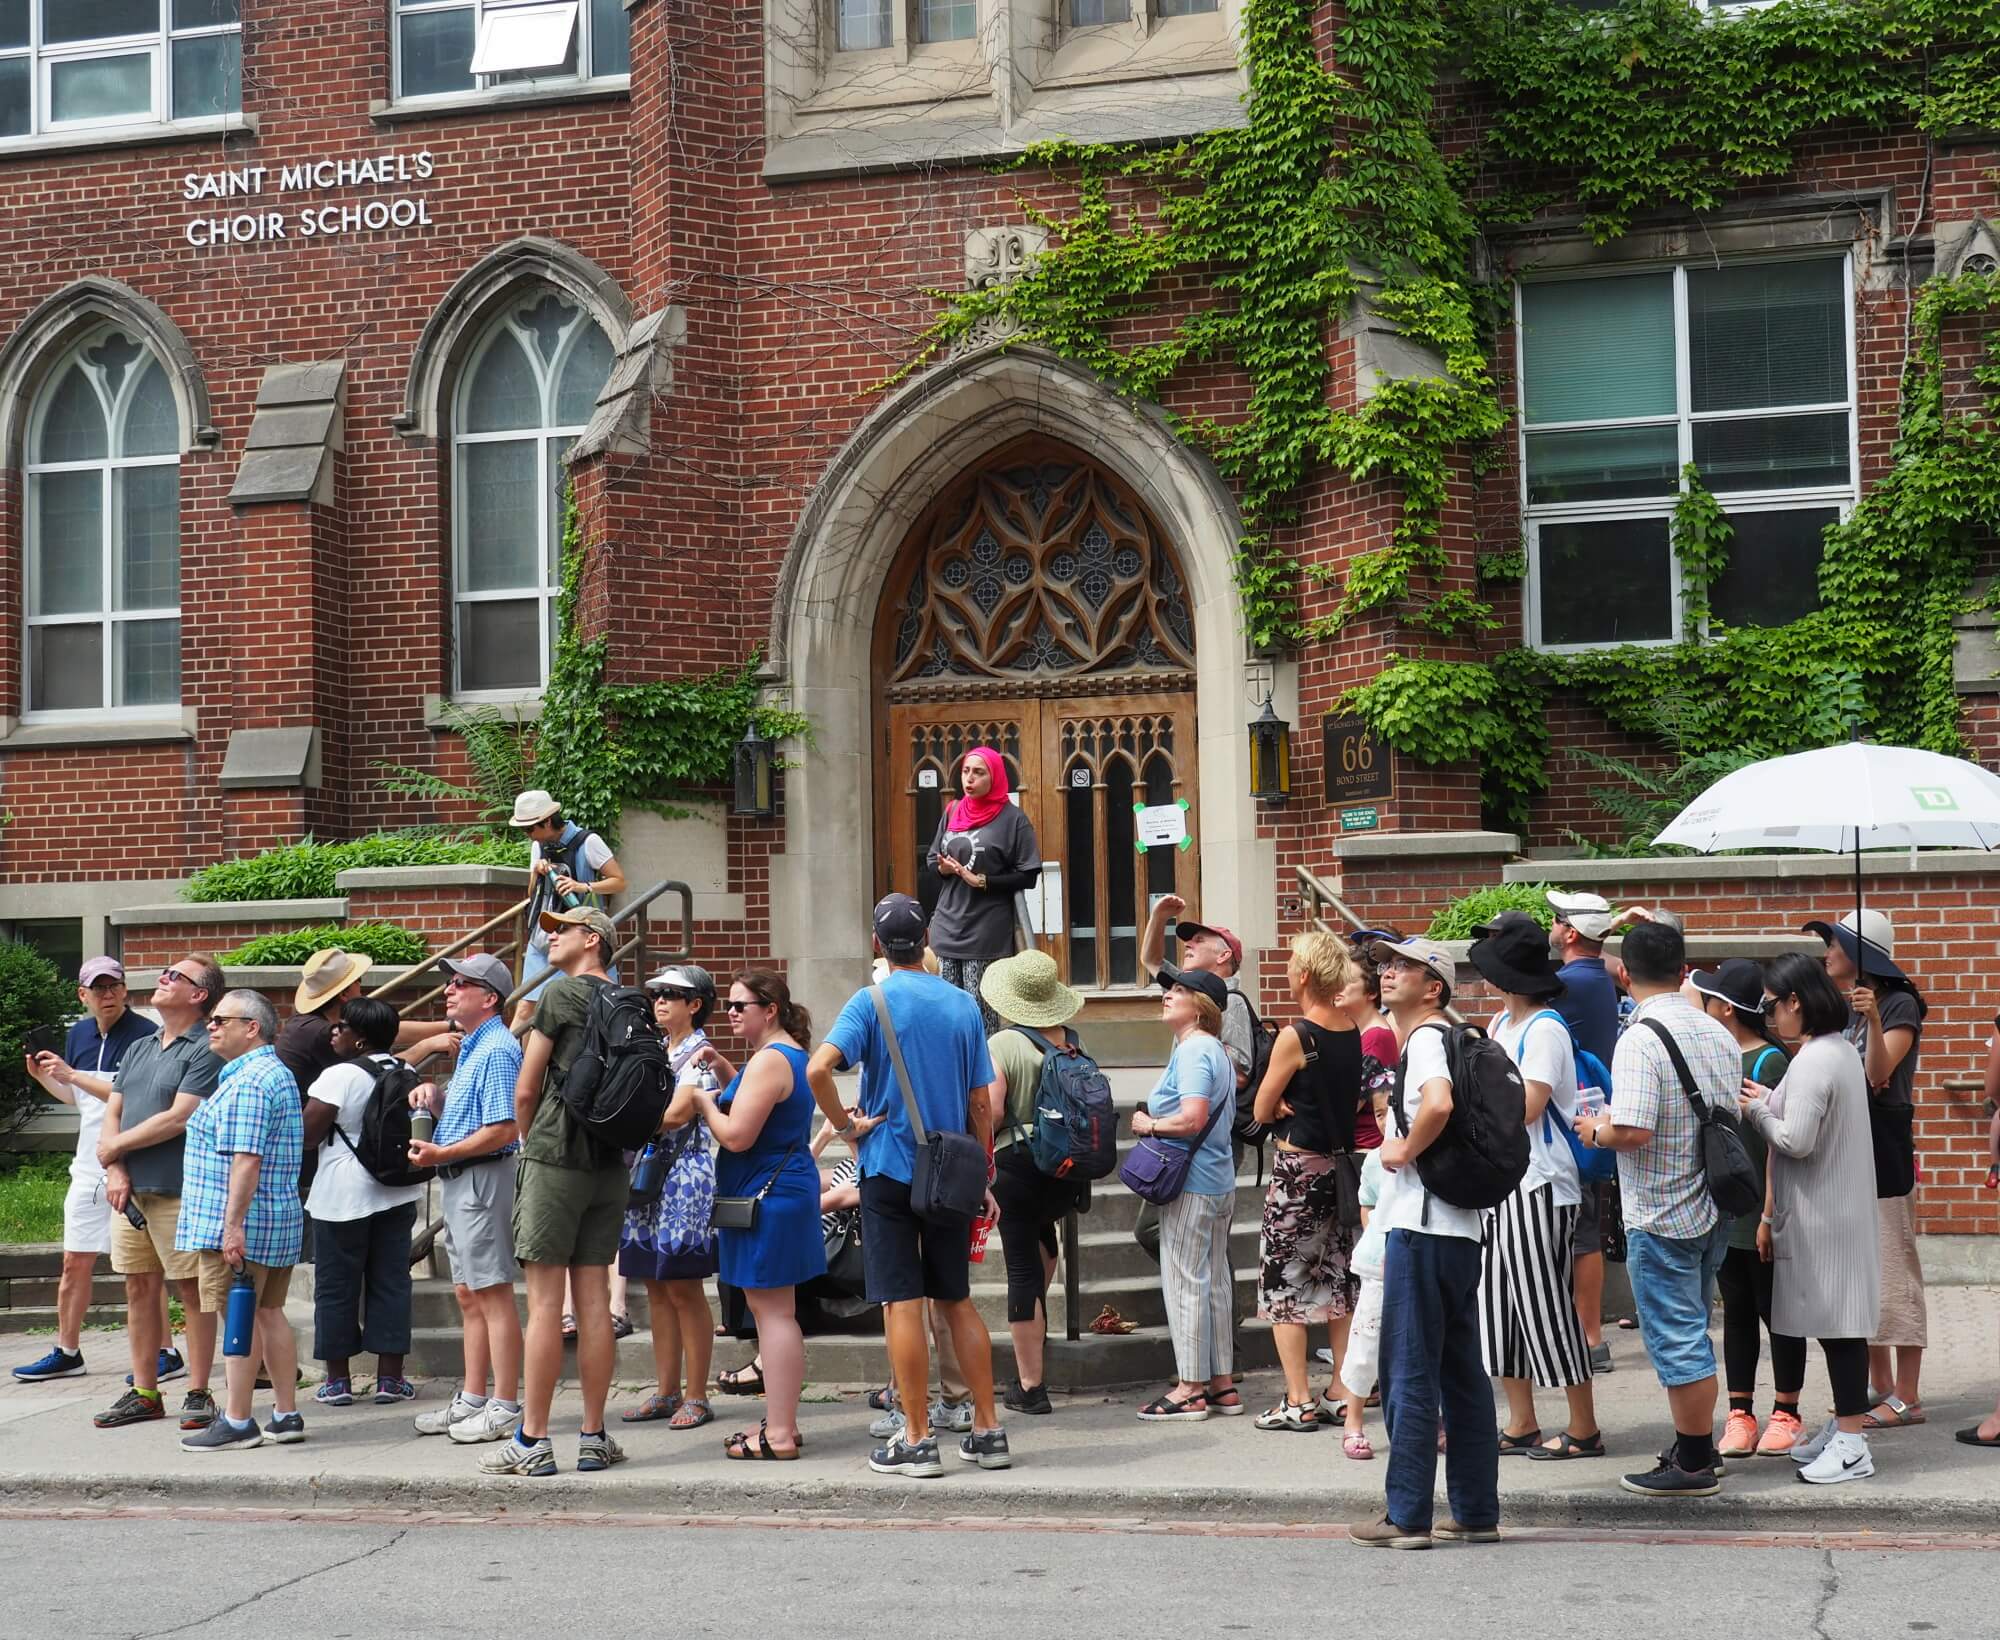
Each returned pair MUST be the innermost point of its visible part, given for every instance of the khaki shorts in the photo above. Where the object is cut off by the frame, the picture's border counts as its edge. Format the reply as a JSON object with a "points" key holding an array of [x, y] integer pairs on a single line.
{"points": [[150, 1252], [217, 1277], [566, 1216]]}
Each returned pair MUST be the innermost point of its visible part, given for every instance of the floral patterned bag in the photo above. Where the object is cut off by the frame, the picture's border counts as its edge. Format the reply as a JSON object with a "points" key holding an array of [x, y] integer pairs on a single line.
{"points": [[689, 1196]]}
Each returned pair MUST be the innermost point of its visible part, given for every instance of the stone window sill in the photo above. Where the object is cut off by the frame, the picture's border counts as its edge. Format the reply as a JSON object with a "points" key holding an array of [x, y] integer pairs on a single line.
{"points": [[125, 136], [16, 736], [524, 707], [496, 102]]}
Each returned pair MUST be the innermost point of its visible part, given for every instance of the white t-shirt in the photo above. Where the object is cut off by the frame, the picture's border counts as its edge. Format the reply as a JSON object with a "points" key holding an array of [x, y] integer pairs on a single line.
{"points": [[1403, 1193], [1542, 1051], [342, 1189], [595, 853]]}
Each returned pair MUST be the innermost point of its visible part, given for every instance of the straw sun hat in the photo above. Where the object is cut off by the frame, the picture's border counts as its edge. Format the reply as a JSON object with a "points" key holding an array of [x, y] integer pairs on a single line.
{"points": [[1026, 990], [325, 975]]}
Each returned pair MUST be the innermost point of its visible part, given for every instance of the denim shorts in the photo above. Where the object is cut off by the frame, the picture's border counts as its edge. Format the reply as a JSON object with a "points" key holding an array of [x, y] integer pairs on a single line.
{"points": [[1671, 1281]]}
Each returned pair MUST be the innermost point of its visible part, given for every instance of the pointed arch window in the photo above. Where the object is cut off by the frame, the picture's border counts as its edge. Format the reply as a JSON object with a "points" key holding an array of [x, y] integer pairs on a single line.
{"points": [[103, 581], [528, 389]]}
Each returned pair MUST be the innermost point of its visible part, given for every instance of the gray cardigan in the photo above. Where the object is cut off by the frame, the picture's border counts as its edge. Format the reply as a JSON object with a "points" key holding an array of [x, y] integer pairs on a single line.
{"points": [[1827, 1280]]}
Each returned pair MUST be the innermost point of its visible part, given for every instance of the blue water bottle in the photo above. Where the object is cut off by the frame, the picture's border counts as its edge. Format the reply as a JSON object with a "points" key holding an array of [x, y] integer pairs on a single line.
{"points": [[240, 1321]]}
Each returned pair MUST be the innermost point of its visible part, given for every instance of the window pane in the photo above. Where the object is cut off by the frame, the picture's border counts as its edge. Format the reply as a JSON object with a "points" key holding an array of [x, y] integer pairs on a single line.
{"points": [[1774, 453], [148, 560], [1767, 334], [437, 52], [583, 377], [208, 76], [73, 425], [504, 394], [58, 939], [1185, 8], [1122, 886], [947, 20], [101, 88], [500, 645], [152, 424], [610, 37], [1598, 349], [65, 668], [558, 477], [149, 663], [1083, 13], [13, 22], [861, 25], [1603, 465], [206, 13], [64, 20], [499, 495], [526, 41], [69, 542], [1607, 582], [1079, 863], [1773, 573], [14, 93]]}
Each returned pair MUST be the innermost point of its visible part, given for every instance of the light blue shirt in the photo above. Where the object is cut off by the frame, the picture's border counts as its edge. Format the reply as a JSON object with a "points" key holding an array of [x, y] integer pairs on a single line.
{"points": [[943, 1039], [1200, 1069], [481, 1090]]}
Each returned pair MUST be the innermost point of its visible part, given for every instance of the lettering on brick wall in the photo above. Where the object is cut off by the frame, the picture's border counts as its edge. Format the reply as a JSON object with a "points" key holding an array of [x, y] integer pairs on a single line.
{"points": [[261, 183]]}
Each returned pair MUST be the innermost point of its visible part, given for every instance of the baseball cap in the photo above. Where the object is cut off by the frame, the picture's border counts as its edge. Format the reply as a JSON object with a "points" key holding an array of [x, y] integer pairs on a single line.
{"points": [[583, 916], [1187, 929], [1738, 982], [900, 924], [1589, 914], [100, 968], [1425, 953], [485, 970], [1195, 979]]}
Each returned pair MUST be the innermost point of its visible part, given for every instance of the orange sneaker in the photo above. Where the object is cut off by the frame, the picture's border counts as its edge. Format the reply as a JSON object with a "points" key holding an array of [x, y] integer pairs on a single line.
{"points": [[1739, 1436], [1781, 1434]]}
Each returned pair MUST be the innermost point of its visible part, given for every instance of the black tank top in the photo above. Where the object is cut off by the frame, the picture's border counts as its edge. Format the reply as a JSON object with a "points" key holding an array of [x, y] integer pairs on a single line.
{"points": [[1324, 1092]]}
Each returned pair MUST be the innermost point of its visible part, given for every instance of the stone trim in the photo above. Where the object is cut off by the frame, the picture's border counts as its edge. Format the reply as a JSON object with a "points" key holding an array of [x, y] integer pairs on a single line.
{"points": [[422, 877], [295, 433], [128, 136], [109, 730], [1419, 846], [644, 368], [272, 978], [229, 911], [1745, 868], [489, 103]]}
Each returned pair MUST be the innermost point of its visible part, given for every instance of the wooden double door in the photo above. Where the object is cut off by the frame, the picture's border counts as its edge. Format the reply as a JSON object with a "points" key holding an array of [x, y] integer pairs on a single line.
{"points": [[1080, 766]]}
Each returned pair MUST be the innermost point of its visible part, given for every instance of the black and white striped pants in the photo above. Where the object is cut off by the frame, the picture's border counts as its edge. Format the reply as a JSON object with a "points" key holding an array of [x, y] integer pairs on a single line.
{"points": [[1528, 1325]]}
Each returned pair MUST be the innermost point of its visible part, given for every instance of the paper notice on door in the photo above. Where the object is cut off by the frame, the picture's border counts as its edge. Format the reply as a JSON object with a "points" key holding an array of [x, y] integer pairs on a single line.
{"points": [[1160, 825], [1045, 901]]}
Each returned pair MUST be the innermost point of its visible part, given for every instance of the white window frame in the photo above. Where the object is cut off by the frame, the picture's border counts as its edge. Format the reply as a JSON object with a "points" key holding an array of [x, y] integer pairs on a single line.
{"points": [[105, 616], [489, 87], [1684, 418], [157, 44]]}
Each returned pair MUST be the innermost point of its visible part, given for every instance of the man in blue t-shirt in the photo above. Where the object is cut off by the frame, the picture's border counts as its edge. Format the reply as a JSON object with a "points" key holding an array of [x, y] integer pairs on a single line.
{"points": [[908, 1258], [1589, 1004]]}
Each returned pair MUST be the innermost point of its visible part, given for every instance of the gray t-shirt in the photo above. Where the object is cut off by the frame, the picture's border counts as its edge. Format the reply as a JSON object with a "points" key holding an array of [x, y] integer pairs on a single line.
{"points": [[152, 1072], [1899, 1012]]}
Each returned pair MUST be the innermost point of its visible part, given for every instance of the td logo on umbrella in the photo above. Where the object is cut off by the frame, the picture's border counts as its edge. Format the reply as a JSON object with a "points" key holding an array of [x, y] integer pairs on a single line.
{"points": [[1933, 798]]}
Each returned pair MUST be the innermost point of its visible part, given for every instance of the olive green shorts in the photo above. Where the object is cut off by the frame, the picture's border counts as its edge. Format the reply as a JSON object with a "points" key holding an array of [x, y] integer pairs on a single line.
{"points": [[568, 1216]]}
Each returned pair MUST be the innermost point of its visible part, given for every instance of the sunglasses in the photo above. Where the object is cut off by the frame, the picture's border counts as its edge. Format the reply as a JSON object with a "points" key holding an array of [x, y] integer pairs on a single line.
{"points": [[217, 1021], [735, 1007], [673, 996], [174, 973]]}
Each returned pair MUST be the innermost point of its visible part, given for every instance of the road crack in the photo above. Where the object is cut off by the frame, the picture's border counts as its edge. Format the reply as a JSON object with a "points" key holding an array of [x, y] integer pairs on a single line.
{"points": [[1829, 1586], [275, 1588]]}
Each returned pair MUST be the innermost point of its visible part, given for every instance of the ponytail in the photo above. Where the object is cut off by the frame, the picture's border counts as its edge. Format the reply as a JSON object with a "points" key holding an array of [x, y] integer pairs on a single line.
{"points": [[770, 987]]}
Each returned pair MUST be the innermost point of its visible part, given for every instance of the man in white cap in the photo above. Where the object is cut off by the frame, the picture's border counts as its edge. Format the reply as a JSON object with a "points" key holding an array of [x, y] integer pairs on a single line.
{"points": [[570, 866]]}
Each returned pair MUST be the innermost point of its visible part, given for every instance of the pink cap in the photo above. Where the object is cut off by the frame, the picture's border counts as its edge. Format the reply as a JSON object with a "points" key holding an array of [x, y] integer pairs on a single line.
{"points": [[101, 968]]}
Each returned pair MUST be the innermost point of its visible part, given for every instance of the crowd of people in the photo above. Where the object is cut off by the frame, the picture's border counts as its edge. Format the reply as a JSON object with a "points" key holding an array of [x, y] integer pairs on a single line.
{"points": [[218, 1148]]}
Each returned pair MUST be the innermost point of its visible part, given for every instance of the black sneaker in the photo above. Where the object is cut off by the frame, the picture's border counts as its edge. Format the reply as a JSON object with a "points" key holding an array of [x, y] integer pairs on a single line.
{"points": [[130, 1408], [1720, 1467], [988, 1450], [1672, 1481], [1035, 1401], [285, 1428], [900, 1457], [222, 1435]]}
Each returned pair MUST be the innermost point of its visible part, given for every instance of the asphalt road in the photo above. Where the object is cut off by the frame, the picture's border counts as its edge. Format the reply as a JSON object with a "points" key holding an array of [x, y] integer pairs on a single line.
{"points": [[220, 1577]]}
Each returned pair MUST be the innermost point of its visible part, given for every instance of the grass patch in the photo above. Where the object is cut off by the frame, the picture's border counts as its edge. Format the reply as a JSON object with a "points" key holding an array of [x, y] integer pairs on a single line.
{"points": [[31, 1199]]}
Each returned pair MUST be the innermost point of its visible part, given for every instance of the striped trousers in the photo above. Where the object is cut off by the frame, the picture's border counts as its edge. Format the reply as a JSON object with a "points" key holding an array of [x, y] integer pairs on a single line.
{"points": [[1196, 1281], [1528, 1325]]}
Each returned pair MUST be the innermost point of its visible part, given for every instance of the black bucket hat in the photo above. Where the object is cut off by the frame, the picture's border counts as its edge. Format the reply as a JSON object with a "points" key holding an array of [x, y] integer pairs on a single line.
{"points": [[1512, 952]]}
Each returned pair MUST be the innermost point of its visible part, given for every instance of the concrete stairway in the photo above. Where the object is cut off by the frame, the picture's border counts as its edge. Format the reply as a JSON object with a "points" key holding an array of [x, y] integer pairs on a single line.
{"points": [[28, 1278]]}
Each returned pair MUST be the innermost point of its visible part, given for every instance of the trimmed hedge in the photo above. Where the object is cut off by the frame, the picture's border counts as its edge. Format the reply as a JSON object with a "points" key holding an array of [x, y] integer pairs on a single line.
{"points": [[385, 942], [306, 870]]}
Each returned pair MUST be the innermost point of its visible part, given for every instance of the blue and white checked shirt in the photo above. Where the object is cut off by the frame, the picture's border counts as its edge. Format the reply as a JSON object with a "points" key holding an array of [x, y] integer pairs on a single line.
{"points": [[481, 1090], [254, 1109]]}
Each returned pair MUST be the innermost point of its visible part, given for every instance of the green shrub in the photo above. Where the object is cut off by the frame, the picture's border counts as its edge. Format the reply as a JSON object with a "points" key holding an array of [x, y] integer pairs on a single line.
{"points": [[1458, 920], [306, 871], [32, 1188], [385, 942], [32, 993]]}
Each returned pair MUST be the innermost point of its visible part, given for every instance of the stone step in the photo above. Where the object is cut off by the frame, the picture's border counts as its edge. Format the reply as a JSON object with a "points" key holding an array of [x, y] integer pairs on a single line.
{"points": [[42, 1318], [38, 1258], [25, 1292]]}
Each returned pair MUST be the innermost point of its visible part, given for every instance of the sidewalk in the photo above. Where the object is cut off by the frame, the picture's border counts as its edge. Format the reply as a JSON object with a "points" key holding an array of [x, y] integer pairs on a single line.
{"points": [[1093, 1458]]}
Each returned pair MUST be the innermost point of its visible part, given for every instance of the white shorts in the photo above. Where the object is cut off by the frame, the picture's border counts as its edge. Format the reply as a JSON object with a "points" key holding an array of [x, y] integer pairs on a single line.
{"points": [[86, 1215], [1360, 1367]]}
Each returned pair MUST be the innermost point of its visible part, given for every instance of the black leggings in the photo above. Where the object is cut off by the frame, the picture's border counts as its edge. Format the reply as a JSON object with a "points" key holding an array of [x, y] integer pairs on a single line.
{"points": [[1031, 1203], [1847, 1369], [1745, 1284]]}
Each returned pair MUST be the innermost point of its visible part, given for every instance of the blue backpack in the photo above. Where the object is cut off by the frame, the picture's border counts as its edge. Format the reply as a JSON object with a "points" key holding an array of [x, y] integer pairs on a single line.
{"points": [[1075, 1135], [1593, 1165]]}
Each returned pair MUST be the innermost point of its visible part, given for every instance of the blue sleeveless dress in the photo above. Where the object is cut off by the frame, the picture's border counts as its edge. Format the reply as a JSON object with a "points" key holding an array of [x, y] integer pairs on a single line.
{"points": [[787, 1247]]}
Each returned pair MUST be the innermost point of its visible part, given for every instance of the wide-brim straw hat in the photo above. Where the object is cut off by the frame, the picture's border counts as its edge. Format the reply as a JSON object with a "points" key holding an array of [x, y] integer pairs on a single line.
{"points": [[1026, 989], [325, 975]]}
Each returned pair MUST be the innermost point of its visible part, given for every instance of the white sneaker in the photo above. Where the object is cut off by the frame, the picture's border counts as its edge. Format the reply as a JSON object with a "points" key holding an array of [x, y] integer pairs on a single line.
{"points": [[492, 1422], [440, 1419], [886, 1425], [955, 1416], [1813, 1445], [1845, 1458]]}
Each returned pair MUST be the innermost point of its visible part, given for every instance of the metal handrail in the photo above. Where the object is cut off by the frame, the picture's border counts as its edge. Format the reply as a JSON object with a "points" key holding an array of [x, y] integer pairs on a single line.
{"points": [[1318, 894], [437, 959]]}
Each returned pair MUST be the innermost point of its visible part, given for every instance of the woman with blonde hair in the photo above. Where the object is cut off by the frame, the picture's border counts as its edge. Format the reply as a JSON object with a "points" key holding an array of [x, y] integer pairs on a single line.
{"points": [[1310, 1098]]}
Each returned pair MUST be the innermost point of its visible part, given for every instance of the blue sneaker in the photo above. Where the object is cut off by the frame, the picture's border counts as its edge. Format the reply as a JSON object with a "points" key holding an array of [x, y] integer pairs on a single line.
{"points": [[388, 1391], [170, 1367], [335, 1392], [58, 1363], [285, 1428]]}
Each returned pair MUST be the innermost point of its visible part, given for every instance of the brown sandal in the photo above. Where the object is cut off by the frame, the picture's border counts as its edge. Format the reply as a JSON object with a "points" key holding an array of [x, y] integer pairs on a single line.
{"points": [[1110, 1321], [756, 1445]]}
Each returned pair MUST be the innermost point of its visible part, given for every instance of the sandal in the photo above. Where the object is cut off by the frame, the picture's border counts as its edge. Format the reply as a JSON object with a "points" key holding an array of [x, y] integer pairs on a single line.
{"points": [[1108, 1320], [686, 1417], [654, 1409], [1519, 1443], [747, 1379], [1166, 1410], [755, 1445], [1295, 1417], [1227, 1403], [1900, 1414], [1566, 1446], [569, 1329], [1356, 1444]]}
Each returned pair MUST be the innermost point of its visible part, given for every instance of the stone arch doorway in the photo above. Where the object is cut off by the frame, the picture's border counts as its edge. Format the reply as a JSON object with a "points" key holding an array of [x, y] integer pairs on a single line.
{"points": [[1038, 608]]}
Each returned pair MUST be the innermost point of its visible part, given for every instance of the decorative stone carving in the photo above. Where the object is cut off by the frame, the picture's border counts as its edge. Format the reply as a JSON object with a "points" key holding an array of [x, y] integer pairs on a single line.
{"points": [[995, 257], [1967, 247]]}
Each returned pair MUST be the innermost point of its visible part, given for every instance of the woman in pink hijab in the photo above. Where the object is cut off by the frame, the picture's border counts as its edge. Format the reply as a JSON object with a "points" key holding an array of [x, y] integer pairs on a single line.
{"points": [[984, 854]]}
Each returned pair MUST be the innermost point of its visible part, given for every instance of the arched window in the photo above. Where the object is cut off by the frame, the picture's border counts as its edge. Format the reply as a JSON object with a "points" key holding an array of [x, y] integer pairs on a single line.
{"points": [[103, 534], [527, 391]]}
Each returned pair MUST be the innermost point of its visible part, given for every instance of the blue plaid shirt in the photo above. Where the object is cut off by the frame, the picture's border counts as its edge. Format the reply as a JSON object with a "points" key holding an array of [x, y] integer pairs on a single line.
{"points": [[255, 1109], [481, 1090]]}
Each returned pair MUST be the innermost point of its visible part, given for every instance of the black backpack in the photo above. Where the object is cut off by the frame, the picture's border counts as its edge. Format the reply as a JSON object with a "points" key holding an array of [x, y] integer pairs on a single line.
{"points": [[1075, 1135], [384, 1146], [1482, 1154], [1244, 1128], [1734, 1182], [619, 1082]]}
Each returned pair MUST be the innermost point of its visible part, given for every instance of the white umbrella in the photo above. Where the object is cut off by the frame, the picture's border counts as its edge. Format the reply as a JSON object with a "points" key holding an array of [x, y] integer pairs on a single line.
{"points": [[1839, 798]]}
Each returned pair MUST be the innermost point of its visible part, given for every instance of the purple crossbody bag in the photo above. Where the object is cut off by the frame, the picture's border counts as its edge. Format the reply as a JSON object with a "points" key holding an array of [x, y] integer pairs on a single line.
{"points": [[1156, 1170]]}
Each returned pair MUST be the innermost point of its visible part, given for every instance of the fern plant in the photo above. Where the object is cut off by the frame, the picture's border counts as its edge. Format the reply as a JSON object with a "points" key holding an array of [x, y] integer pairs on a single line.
{"points": [[499, 746]]}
